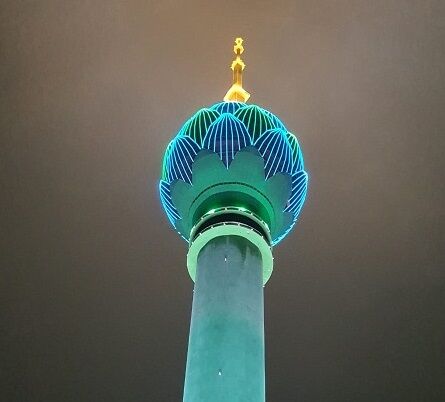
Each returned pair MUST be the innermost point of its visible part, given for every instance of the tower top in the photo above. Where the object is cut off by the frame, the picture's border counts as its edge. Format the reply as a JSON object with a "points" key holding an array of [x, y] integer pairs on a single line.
{"points": [[237, 93]]}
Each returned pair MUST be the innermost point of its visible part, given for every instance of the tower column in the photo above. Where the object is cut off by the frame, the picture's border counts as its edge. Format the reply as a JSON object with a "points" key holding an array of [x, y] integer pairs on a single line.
{"points": [[225, 360]]}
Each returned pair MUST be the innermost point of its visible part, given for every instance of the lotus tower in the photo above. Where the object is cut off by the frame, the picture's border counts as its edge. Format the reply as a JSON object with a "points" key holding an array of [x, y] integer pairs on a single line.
{"points": [[233, 185]]}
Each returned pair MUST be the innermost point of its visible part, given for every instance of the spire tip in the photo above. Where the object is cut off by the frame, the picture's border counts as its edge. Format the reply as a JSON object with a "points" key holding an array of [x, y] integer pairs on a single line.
{"points": [[237, 93]]}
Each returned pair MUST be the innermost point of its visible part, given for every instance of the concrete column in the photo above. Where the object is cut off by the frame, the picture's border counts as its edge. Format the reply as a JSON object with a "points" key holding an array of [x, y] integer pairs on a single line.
{"points": [[225, 360]]}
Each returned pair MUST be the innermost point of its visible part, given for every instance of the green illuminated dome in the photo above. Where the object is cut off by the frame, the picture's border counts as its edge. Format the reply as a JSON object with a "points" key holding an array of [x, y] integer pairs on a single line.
{"points": [[236, 158]]}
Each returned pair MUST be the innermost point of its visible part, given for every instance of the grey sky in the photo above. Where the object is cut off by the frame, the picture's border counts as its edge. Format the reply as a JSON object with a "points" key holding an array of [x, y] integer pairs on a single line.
{"points": [[95, 298]]}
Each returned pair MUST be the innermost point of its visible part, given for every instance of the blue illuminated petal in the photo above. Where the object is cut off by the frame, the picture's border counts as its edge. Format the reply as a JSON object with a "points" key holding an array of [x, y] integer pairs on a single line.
{"points": [[228, 107], [180, 159], [282, 236], [170, 210], [168, 151], [183, 128], [276, 121], [296, 152], [298, 192], [226, 136], [276, 151], [255, 119], [197, 126]]}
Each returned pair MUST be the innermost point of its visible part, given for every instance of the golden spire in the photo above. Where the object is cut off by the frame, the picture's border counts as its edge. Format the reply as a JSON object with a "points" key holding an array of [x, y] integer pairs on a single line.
{"points": [[237, 93]]}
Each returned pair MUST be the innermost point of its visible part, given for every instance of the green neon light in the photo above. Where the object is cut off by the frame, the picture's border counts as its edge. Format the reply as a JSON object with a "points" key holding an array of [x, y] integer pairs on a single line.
{"points": [[229, 229]]}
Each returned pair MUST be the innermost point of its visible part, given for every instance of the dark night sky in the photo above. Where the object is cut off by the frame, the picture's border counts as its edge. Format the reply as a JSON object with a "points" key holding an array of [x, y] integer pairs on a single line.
{"points": [[95, 298]]}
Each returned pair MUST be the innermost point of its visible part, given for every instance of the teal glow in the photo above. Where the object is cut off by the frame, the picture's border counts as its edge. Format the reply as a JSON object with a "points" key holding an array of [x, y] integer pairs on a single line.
{"points": [[225, 129]]}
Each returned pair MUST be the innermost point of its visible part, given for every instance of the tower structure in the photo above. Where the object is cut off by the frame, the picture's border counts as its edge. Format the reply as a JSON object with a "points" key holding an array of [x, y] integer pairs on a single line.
{"points": [[233, 184]]}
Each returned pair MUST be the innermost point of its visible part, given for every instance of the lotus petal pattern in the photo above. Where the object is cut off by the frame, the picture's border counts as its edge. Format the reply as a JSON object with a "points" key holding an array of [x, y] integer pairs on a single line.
{"points": [[225, 129], [226, 136]]}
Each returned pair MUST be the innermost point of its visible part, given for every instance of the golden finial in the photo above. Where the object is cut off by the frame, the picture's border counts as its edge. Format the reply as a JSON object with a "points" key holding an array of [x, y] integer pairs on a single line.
{"points": [[237, 93]]}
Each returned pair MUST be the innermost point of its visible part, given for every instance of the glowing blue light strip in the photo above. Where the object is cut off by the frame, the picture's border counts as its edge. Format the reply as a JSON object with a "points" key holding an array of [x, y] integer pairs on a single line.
{"points": [[226, 136], [276, 151], [165, 162], [299, 189], [228, 107], [276, 121], [170, 210], [296, 152], [278, 239], [179, 162], [199, 124], [296, 214], [256, 121]]}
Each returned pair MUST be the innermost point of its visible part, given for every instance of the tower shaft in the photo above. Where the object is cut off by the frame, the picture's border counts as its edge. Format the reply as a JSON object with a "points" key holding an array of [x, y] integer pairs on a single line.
{"points": [[225, 360]]}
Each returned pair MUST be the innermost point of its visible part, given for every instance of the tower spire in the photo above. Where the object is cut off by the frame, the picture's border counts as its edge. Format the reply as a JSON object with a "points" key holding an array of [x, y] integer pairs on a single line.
{"points": [[237, 93]]}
